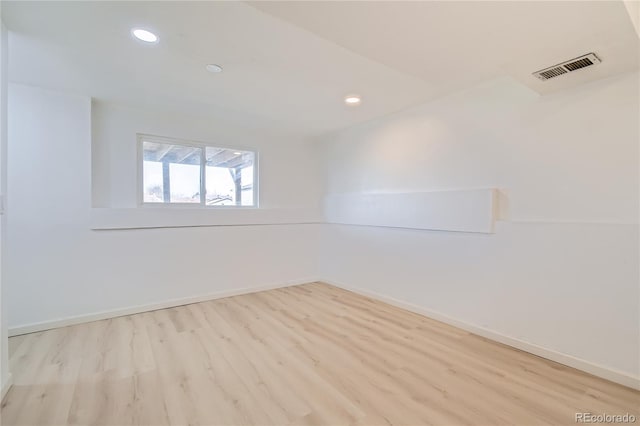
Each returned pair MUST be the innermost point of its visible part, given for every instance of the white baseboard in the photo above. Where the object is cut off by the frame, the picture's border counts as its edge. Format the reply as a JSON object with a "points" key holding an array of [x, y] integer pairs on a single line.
{"points": [[568, 360], [79, 319], [6, 386]]}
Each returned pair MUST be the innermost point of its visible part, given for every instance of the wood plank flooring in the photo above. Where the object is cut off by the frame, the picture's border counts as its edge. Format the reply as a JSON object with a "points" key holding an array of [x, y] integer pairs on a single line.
{"points": [[310, 354]]}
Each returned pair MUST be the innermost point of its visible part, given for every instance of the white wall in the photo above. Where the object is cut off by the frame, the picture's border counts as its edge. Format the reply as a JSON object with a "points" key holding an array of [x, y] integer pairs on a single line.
{"points": [[562, 269], [290, 175], [57, 267], [4, 349]]}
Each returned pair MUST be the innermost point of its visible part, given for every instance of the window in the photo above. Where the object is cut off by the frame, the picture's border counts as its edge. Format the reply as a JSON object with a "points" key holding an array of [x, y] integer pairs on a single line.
{"points": [[191, 173]]}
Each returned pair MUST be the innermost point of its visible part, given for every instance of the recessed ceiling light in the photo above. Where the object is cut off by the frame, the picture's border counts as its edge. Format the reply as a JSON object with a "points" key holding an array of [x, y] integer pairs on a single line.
{"points": [[144, 35], [237, 153], [213, 68], [352, 100]]}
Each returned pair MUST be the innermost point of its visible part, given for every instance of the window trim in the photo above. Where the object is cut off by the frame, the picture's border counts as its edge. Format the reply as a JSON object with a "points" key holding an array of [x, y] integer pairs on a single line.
{"points": [[145, 137]]}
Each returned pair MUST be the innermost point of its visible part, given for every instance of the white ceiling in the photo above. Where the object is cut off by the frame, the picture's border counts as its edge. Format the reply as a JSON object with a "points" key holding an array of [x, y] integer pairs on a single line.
{"points": [[288, 65], [275, 74], [454, 44]]}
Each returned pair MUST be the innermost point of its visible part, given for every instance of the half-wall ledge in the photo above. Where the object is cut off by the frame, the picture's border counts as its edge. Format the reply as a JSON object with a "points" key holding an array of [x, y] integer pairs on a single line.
{"points": [[177, 217]]}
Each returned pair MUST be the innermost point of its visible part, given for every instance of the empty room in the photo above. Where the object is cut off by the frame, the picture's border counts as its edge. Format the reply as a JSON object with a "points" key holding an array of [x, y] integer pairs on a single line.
{"points": [[319, 213]]}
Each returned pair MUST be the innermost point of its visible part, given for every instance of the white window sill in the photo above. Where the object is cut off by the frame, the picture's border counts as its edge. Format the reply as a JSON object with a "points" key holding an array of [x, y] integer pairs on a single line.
{"points": [[161, 217]]}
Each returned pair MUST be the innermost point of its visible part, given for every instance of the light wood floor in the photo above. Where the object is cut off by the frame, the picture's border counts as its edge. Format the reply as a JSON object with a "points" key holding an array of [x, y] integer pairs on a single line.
{"points": [[311, 354]]}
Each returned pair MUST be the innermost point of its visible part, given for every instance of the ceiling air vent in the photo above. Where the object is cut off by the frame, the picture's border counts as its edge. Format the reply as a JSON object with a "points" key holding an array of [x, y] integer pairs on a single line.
{"points": [[568, 66]]}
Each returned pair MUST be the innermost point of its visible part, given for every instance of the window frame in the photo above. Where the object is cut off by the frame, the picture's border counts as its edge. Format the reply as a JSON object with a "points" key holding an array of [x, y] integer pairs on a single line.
{"points": [[145, 137]]}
